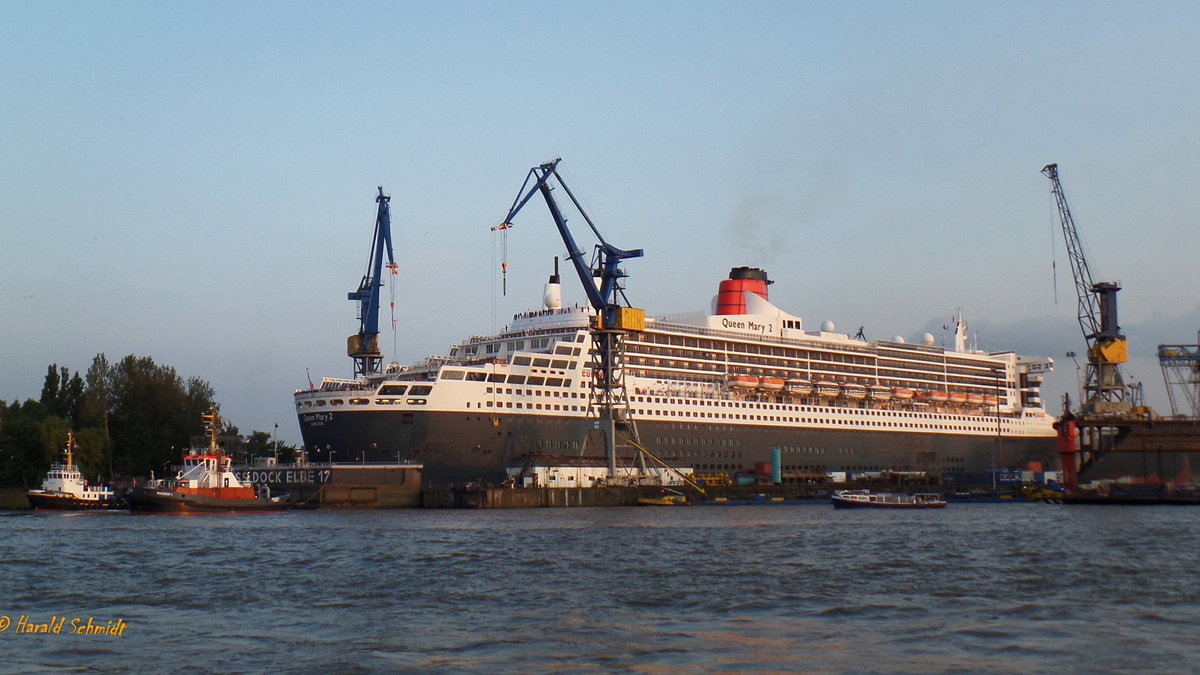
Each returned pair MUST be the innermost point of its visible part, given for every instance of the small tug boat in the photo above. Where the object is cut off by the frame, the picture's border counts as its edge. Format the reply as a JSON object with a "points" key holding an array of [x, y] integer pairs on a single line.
{"points": [[865, 499], [205, 484], [64, 488]]}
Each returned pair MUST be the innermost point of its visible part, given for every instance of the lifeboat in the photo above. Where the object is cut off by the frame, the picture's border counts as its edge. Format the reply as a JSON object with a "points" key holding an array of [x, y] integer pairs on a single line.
{"points": [[798, 387], [936, 396], [854, 391], [975, 399], [828, 389], [878, 392], [743, 382], [902, 393], [958, 397], [770, 383], [989, 400]]}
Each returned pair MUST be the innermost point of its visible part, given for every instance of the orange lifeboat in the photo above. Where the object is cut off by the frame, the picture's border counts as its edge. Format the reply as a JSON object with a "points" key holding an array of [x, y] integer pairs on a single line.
{"points": [[936, 396], [975, 399], [902, 393], [878, 392], [770, 383], [797, 387], [743, 382], [958, 397], [989, 400], [828, 389], [854, 391]]}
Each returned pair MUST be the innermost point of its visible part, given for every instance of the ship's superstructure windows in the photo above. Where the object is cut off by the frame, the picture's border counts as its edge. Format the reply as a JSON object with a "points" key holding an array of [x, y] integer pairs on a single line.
{"points": [[420, 390], [520, 360], [450, 375], [395, 389]]}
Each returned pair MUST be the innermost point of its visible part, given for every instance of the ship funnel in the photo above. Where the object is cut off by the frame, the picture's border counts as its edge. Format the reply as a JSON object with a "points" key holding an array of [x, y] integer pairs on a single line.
{"points": [[730, 298], [552, 297]]}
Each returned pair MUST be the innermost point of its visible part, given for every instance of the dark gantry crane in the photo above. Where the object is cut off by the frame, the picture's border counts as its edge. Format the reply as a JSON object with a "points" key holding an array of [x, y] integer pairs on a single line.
{"points": [[602, 284], [363, 346], [1104, 387]]}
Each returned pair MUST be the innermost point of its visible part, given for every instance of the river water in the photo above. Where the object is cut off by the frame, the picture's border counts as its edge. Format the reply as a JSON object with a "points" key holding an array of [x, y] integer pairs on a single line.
{"points": [[972, 588]]}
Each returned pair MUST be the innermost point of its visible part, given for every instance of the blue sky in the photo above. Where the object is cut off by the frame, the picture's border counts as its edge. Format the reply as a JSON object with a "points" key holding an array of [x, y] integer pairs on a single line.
{"points": [[194, 181]]}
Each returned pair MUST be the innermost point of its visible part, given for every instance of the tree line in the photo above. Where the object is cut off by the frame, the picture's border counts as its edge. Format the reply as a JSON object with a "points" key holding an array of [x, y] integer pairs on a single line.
{"points": [[129, 418]]}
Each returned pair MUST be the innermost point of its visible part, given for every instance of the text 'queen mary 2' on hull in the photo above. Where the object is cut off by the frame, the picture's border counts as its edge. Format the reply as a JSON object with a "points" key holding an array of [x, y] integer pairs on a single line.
{"points": [[715, 392]]}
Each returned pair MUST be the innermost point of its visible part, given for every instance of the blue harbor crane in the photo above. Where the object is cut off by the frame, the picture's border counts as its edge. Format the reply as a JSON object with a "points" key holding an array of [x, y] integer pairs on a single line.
{"points": [[363, 346], [602, 284]]}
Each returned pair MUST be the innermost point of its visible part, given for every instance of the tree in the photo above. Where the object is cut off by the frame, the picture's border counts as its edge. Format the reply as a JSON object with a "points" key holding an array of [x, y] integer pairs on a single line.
{"points": [[153, 414], [30, 438]]}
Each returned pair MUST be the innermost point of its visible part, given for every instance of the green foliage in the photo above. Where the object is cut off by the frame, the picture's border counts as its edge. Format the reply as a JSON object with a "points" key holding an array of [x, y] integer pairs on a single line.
{"points": [[153, 414], [30, 438], [130, 418]]}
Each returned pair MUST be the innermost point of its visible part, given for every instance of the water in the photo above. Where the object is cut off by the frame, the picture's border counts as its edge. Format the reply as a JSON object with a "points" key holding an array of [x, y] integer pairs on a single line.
{"points": [[971, 588]]}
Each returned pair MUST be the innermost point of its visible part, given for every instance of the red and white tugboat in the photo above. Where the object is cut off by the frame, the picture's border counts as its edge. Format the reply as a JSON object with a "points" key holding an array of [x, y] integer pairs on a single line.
{"points": [[205, 484], [65, 489]]}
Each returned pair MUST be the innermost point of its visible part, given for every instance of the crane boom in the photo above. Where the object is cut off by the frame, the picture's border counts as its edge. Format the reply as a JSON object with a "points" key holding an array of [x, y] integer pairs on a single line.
{"points": [[603, 297], [363, 346], [1088, 307]]}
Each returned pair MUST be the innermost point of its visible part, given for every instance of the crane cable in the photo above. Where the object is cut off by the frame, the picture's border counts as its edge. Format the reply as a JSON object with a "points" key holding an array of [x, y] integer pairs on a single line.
{"points": [[392, 302], [503, 228]]}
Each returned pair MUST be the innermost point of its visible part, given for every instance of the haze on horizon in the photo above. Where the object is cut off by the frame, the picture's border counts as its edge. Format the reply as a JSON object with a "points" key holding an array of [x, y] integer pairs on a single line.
{"points": [[195, 182]]}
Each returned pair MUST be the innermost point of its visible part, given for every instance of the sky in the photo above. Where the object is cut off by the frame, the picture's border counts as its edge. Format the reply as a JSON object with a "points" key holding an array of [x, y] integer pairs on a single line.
{"points": [[195, 181]]}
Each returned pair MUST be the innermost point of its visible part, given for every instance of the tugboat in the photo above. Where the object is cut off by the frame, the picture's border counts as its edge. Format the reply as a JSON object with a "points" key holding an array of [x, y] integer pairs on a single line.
{"points": [[65, 489], [865, 499], [205, 484]]}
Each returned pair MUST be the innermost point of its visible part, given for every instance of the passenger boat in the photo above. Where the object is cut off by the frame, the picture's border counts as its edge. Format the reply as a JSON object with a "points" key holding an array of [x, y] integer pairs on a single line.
{"points": [[205, 484], [65, 489], [691, 393], [865, 499]]}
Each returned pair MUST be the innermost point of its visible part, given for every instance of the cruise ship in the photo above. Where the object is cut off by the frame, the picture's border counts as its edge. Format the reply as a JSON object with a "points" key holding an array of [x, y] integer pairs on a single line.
{"points": [[714, 391]]}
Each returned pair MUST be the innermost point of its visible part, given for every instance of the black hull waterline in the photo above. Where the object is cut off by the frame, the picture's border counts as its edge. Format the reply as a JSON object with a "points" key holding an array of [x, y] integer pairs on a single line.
{"points": [[458, 447], [48, 501], [166, 501]]}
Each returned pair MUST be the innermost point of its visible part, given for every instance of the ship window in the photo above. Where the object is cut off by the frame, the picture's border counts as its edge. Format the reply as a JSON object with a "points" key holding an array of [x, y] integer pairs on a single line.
{"points": [[453, 375], [416, 401], [554, 381], [535, 380], [580, 337], [392, 389], [476, 377], [420, 390], [559, 363], [336, 401], [541, 363], [520, 360], [516, 379], [495, 377]]}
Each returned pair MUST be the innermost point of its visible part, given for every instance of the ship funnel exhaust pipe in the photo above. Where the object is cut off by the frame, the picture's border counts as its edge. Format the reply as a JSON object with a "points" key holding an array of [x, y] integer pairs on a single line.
{"points": [[552, 297], [730, 294]]}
